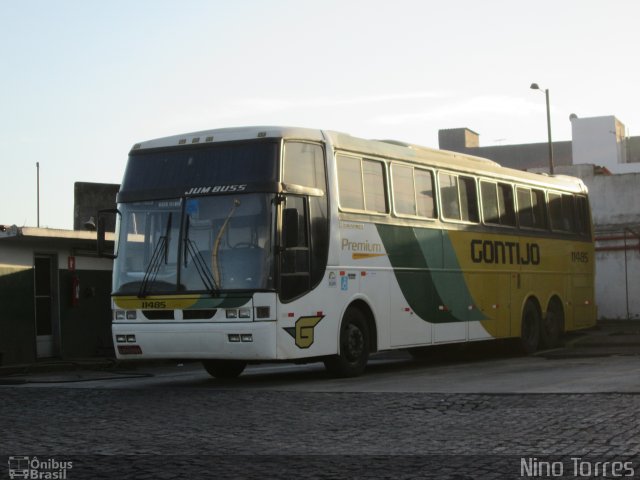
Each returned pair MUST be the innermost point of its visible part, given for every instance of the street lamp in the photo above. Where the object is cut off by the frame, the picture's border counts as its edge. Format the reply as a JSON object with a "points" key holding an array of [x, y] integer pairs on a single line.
{"points": [[534, 86]]}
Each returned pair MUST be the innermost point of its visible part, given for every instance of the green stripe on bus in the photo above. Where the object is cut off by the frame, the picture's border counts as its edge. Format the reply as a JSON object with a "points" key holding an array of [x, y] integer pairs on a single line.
{"points": [[418, 257]]}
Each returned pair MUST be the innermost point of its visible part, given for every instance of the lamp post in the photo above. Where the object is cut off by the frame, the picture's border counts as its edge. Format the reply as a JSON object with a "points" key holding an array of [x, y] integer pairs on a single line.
{"points": [[534, 86]]}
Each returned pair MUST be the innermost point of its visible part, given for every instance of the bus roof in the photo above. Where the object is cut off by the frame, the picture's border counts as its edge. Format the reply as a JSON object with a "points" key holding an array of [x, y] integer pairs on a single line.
{"points": [[390, 149]]}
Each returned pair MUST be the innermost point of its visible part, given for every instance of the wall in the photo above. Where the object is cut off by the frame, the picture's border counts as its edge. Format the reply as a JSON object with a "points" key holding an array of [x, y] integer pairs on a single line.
{"points": [[617, 285], [86, 327], [615, 206]]}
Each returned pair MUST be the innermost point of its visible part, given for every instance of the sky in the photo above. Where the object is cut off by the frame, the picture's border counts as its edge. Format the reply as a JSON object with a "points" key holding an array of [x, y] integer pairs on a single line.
{"points": [[81, 81]]}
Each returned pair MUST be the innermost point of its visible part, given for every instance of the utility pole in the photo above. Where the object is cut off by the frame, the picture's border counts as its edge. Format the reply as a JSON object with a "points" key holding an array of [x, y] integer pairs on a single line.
{"points": [[38, 192]]}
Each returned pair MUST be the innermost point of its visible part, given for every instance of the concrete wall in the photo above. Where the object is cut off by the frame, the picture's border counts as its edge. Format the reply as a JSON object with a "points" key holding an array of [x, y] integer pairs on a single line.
{"points": [[615, 206], [618, 282]]}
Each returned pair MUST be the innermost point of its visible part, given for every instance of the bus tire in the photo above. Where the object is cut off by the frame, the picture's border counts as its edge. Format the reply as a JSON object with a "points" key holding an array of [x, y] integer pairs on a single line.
{"points": [[552, 326], [224, 368], [354, 346], [530, 328]]}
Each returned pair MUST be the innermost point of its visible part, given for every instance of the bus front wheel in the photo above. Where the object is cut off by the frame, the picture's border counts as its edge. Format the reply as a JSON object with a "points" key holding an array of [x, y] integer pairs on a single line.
{"points": [[354, 346], [530, 328], [224, 368]]}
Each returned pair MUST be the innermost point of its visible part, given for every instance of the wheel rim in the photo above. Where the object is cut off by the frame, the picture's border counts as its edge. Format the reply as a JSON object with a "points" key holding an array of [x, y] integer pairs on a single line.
{"points": [[354, 343], [530, 329]]}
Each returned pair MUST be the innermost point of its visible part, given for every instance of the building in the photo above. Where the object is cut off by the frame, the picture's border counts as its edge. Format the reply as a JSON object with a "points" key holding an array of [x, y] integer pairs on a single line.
{"points": [[55, 294], [600, 141], [608, 161], [54, 289]]}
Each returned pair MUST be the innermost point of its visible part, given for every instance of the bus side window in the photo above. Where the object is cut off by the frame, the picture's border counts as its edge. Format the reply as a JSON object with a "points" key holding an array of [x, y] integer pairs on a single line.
{"points": [[488, 193], [404, 198], [375, 199], [468, 199], [582, 215], [568, 213], [350, 182], [505, 205], [539, 209], [497, 203], [555, 211], [424, 193], [449, 196], [525, 212]]}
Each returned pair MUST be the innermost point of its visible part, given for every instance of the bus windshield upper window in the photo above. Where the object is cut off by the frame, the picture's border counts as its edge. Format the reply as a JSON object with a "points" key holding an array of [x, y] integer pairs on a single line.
{"points": [[170, 172]]}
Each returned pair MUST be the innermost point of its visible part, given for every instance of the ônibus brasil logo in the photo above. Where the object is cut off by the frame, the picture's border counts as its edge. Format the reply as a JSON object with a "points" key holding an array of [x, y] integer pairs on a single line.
{"points": [[32, 467]]}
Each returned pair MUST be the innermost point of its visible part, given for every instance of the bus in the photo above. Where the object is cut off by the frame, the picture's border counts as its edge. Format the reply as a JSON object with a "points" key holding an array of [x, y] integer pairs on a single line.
{"points": [[258, 244]]}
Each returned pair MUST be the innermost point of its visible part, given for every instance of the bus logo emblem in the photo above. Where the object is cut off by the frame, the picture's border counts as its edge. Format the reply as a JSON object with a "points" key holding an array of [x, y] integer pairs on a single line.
{"points": [[303, 331]]}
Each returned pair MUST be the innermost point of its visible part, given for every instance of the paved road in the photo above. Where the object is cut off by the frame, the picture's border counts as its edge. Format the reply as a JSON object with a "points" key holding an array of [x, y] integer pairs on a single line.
{"points": [[483, 370], [488, 416]]}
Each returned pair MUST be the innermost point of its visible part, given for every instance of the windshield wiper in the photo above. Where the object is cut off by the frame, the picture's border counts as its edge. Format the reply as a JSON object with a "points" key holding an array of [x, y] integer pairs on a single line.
{"points": [[160, 252], [199, 262]]}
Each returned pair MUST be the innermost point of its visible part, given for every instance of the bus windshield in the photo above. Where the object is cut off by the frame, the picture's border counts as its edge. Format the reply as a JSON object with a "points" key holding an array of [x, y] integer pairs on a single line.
{"points": [[212, 244]]}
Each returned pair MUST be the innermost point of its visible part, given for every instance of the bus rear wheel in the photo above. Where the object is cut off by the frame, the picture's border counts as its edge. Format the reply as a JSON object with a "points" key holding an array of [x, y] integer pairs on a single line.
{"points": [[354, 346], [552, 326], [224, 368], [530, 328]]}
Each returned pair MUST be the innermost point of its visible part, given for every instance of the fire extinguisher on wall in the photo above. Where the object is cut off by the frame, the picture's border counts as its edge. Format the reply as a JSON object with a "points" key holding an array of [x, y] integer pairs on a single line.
{"points": [[75, 290]]}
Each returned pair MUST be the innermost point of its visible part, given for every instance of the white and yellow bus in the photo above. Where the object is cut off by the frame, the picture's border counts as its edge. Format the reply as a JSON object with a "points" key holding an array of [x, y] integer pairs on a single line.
{"points": [[263, 244]]}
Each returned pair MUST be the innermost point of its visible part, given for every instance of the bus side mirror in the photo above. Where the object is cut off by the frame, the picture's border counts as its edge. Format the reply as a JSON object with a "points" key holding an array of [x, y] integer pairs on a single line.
{"points": [[106, 222], [290, 227]]}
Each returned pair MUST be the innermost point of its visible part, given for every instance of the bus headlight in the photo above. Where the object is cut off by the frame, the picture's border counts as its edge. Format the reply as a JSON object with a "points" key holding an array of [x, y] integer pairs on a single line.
{"points": [[244, 313], [119, 314]]}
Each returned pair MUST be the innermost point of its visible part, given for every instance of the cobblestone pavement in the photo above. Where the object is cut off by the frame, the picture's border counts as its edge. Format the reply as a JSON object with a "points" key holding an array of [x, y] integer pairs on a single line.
{"points": [[200, 433]]}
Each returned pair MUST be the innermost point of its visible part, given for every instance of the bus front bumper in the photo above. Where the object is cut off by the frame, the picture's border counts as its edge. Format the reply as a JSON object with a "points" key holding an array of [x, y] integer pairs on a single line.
{"points": [[232, 341]]}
